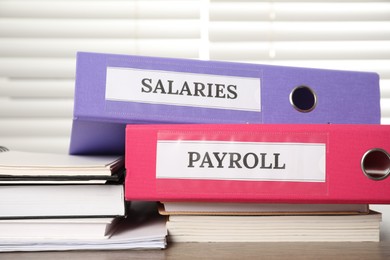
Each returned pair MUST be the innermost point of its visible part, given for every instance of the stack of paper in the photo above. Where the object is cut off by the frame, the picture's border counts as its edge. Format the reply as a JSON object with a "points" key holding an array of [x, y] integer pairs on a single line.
{"points": [[274, 228], [68, 202], [142, 228], [262, 209], [345, 228], [61, 200], [23, 167], [251, 222]]}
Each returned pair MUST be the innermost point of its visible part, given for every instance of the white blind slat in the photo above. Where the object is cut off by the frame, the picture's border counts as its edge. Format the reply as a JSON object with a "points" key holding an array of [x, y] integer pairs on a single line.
{"points": [[299, 31], [351, 2], [385, 120], [98, 28], [385, 107], [155, 9], [38, 67], [385, 88], [30, 88], [379, 66], [40, 47], [299, 11], [35, 127], [38, 108], [301, 50], [36, 144]]}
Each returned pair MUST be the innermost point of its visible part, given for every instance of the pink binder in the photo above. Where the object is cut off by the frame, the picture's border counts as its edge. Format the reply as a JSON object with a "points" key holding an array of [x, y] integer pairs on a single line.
{"points": [[276, 163]]}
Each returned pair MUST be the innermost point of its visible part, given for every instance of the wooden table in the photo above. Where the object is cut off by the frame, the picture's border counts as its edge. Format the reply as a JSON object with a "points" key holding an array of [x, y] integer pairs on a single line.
{"points": [[345, 251]]}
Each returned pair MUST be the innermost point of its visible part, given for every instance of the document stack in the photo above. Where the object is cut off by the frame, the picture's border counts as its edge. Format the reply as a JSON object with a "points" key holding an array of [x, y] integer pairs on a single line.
{"points": [[254, 222], [298, 151], [68, 202]]}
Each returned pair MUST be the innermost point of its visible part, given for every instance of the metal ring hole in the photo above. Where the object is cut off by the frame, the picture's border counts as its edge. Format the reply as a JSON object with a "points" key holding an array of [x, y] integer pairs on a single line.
{"points": [[376, 164], [303, 99]]}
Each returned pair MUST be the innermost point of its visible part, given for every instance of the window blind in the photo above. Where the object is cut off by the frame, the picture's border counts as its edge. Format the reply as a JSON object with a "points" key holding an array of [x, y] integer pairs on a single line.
{"points": [[39, 39], [38, 43]]}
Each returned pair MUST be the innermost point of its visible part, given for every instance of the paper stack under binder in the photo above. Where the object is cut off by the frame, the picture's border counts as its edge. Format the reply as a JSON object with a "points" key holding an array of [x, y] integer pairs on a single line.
{"points": [[252, 222], [270, 222]]}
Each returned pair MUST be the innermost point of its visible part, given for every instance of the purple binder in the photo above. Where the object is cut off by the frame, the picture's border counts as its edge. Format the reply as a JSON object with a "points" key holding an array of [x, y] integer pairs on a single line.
{"points": [[115, 90]]}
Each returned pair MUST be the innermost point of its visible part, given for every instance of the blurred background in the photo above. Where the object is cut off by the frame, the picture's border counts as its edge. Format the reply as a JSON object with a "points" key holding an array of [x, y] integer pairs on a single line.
{"points": [[39, 40]]}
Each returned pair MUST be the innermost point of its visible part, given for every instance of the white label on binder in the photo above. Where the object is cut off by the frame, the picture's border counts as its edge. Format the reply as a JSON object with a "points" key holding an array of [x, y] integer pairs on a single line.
{"points": [[183, 89], [252, 161]]}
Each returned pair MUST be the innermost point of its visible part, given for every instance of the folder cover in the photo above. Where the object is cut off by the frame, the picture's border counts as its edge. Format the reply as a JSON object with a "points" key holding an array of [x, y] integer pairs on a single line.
{"points": [[267, 163], [114, 90]]}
